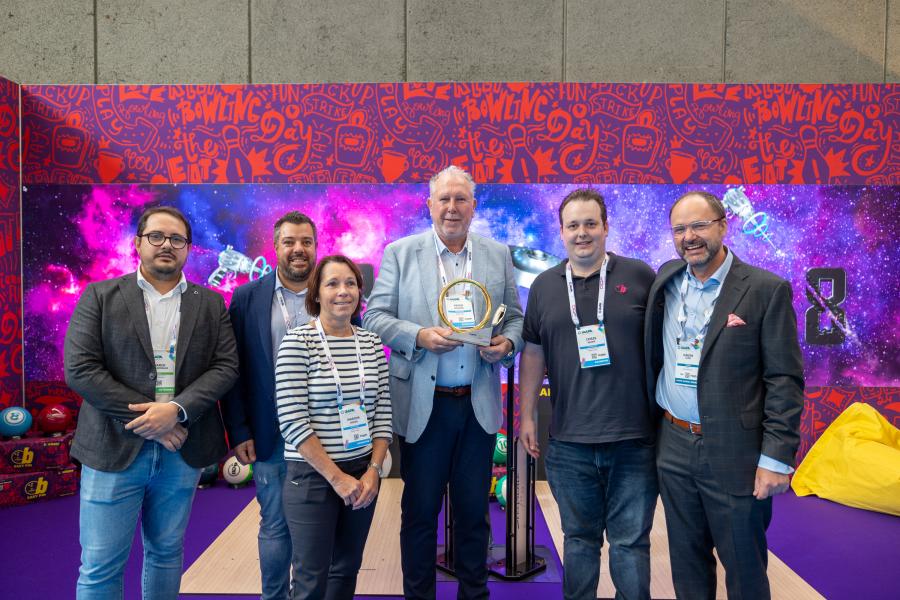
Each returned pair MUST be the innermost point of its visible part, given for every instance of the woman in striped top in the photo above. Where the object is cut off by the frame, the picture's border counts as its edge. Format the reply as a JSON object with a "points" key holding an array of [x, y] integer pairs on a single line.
{"points": [[335, 436]]}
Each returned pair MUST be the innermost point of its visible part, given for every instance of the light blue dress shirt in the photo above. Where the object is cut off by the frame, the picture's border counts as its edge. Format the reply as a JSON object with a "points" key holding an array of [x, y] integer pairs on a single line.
{"points": [[681, 400], [457, 367], [296, 307]]}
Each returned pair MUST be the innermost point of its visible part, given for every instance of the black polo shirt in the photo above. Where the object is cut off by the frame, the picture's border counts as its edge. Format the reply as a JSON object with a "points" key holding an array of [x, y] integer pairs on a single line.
{"points": [[601, 404]]}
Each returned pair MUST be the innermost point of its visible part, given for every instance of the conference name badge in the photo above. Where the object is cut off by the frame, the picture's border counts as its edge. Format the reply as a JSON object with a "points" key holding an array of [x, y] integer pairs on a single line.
{"points": [[460, 311], [687, 365], [165, 374], [354, 426], [592, 348]]}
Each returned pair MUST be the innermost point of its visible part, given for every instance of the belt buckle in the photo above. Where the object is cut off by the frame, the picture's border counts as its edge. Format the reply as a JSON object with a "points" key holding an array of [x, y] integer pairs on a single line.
{"points": [[691, 428]]}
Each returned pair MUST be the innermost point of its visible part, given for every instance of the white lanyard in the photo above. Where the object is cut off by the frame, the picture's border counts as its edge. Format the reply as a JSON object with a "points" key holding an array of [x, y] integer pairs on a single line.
{"points": [[334, 369], [601, 301], [284, 311], [443, 271], [174, 337], [682, 313]]}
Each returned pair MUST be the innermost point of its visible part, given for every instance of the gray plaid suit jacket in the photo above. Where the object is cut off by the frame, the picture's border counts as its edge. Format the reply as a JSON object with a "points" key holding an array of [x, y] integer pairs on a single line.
{"points": [[750, 387], [109, 362]]}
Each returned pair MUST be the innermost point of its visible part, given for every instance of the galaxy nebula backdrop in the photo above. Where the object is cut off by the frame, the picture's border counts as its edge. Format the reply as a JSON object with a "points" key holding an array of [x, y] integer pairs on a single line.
{"points": [[76, 234]]}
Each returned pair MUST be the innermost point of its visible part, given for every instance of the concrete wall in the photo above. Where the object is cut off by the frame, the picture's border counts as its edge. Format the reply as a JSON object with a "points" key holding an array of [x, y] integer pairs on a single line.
{"points": [[265, 41]]}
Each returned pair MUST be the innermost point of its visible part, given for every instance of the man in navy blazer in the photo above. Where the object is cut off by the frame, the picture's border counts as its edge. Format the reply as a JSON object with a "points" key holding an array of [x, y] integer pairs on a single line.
{"points": [[262, 311]]}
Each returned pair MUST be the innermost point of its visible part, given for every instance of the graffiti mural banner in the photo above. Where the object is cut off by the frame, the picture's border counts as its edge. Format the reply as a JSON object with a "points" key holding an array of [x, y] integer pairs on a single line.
{"points": [[502, 132]]}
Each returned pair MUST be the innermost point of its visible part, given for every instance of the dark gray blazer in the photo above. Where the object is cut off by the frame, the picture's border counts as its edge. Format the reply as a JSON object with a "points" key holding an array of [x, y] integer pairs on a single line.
{"points": [[109, 362], [750, 387]]}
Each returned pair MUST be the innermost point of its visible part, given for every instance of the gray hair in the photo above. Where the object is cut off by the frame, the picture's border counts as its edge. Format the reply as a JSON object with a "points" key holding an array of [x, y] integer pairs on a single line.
{"points": [[453, 171]]}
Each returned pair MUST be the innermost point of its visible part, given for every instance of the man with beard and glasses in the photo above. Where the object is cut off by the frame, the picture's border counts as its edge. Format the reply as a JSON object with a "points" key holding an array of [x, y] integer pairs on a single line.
{"points": [[725, 370], [262, 312], [150, 354]]}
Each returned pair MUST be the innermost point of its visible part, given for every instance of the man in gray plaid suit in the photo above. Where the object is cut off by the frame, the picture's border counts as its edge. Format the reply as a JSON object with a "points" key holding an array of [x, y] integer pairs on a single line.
{"points": [[725, 368], [150, 354]]}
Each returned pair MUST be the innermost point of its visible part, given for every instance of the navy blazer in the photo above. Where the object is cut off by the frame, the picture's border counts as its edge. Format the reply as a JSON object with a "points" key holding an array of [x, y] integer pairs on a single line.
{"points": [[249, 408]]}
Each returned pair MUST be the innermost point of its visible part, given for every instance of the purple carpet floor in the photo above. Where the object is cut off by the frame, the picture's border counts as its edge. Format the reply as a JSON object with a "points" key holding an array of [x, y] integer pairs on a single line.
{"points": [[843, 552]]}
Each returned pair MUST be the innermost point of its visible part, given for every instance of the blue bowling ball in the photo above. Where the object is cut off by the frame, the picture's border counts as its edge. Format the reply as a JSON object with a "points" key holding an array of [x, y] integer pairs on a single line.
{"points": [[14, 421]]}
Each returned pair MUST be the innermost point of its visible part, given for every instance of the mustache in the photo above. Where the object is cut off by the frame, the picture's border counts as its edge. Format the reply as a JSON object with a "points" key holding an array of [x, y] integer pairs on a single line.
{"points": [[700, 243], [164, 253], [294, 255]]}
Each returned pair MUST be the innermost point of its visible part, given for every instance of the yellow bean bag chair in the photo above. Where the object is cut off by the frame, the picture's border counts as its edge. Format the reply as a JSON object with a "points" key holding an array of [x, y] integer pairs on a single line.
{"points": [[856, 462]]}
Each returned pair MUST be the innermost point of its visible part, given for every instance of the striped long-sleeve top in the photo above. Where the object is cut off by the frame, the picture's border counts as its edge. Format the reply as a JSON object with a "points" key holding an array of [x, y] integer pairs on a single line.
{"points": [[307, 397]]}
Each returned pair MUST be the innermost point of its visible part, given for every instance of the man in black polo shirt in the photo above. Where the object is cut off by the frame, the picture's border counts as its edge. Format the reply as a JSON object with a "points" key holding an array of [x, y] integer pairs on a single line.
{"points": [[584, 323]]}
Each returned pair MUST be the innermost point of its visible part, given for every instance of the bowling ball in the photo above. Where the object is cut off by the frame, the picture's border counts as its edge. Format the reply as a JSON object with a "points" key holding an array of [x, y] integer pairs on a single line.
{"points": [[500, 449], [500, 491], [235, 473], [208, 476], [14, 421], [55, 419]]}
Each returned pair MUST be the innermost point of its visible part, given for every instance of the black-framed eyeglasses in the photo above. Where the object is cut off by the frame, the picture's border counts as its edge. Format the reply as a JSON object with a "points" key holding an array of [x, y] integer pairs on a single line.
{"points": [[696, 227], [157, 238]]}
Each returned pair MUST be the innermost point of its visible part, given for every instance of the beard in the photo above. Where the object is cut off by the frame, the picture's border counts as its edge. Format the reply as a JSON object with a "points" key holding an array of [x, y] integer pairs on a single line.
{"points": [[295, 274], [164, 271], [712, 249]]}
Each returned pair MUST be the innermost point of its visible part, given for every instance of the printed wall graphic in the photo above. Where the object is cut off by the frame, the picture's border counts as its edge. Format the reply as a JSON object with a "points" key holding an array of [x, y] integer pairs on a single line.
{"points": [[835, 244], [502, 132], [10, 241]]}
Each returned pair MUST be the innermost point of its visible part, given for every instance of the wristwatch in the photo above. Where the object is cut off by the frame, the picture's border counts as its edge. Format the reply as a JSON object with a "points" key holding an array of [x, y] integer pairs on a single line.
{"points": [[377, 468]]}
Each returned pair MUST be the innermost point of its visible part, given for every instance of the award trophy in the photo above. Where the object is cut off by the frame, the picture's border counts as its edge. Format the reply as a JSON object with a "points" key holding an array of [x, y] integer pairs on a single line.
{"points": [[480, 332]]}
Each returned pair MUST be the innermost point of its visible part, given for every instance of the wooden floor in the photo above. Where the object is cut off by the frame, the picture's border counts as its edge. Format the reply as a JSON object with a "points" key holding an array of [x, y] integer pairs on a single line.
{"points": [[785, 584], [231, 564]]}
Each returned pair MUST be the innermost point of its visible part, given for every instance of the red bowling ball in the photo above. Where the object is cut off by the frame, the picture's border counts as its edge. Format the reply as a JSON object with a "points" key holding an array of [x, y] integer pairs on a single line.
{"points": [[54, 419]]}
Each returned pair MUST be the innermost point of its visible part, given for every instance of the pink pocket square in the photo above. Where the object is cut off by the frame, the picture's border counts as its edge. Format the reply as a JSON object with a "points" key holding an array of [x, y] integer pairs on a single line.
{"points": [[734, 321]]}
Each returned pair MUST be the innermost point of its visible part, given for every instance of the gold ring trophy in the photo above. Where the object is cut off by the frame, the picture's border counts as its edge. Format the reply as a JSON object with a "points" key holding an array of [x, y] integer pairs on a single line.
{"points": [[480, 334]]}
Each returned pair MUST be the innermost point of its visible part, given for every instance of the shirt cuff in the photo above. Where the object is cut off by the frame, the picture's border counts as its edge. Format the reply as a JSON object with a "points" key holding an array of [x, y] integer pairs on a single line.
{"points": [[773, 465], [182, 414]]}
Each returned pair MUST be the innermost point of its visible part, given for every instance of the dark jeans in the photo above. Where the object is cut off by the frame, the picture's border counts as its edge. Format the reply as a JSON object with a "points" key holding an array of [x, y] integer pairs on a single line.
{"points": [[328, 538], [609, 487], [700, 515], [453, 449]]}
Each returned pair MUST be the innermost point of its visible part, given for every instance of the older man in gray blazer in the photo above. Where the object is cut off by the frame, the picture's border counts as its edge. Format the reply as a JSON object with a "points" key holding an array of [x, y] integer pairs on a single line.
{"points": [[150, 354], [445, 395]]}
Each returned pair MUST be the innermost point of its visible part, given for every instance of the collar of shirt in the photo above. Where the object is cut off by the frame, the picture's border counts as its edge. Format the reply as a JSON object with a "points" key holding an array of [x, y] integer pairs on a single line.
{"points": [[443, 247], [148, 287], [716, 278], [279, 285]]}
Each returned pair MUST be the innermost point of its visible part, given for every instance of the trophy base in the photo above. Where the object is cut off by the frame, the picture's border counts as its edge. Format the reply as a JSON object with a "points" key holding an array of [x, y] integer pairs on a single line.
{"points": [[479, 337]]}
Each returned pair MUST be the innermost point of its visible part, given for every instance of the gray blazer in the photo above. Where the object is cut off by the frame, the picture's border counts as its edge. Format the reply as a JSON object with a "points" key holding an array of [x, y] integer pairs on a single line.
{"points": [[750, 386], [404, 300], [109, 362]]}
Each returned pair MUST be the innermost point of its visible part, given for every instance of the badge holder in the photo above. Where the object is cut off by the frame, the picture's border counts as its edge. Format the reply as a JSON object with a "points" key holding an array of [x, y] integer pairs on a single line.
{"points": [[481, 333]]}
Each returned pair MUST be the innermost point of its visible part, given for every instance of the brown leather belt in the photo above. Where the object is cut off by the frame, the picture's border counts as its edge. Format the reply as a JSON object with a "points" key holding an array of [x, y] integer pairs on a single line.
{"points": [[456, 392], [692, 427]]}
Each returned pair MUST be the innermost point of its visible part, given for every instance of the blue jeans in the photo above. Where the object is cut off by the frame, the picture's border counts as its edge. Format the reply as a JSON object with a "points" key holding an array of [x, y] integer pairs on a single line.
{"points": [[609, 487], [274, 537], [159, 487]]}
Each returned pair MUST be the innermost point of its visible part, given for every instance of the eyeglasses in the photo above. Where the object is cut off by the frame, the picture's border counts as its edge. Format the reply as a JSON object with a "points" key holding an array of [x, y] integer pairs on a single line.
{"points": [[157, 238], [696, 227]]}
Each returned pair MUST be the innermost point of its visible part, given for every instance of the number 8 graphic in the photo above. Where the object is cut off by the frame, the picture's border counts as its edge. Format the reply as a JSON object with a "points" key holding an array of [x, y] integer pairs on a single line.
{"points": [[828, 305]]}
